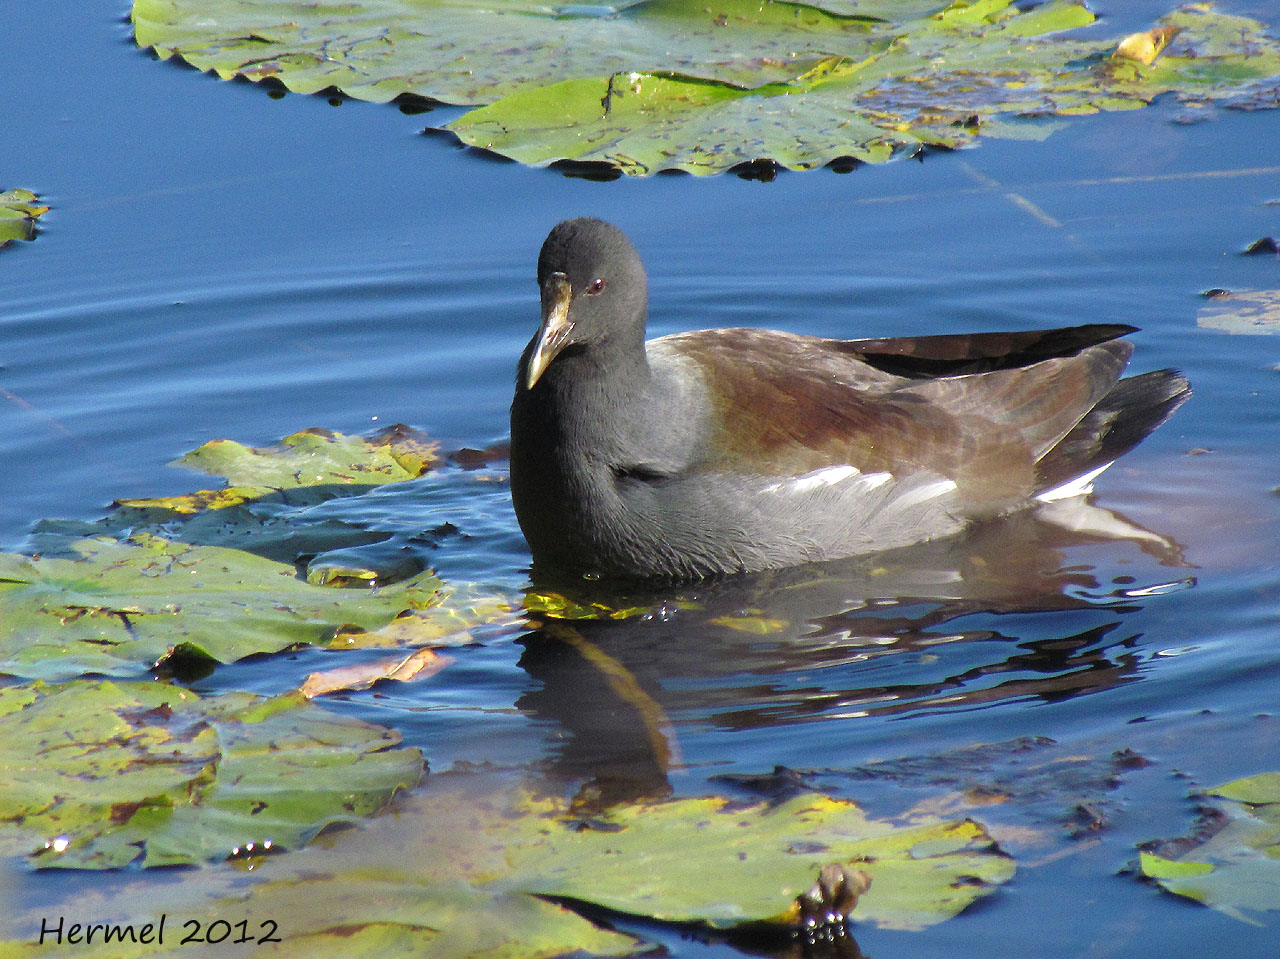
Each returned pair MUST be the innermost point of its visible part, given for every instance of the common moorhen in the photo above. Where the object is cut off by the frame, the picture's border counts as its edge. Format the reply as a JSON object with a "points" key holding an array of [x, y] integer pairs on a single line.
{"points": [[728, 450]]}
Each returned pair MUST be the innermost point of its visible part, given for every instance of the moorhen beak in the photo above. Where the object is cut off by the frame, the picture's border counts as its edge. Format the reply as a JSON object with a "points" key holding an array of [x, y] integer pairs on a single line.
{"points": [[556, 327], [729, 450]]}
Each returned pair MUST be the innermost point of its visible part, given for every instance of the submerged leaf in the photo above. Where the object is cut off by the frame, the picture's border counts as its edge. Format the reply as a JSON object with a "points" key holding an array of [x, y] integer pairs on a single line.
{"points": [[1242, 311], [556, 605], [1236, 869], [98, 774]]}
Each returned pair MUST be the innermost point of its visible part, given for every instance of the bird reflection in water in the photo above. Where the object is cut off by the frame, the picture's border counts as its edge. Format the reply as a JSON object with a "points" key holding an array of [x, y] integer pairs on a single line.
{"points": [[999, 614]]}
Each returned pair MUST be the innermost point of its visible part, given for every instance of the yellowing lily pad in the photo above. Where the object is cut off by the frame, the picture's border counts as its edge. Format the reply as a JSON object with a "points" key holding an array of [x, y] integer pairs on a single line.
{"points": [[315, 457], [98, 774], [1237, 868], [680, 84], [119, 607], [707, 860], [19, 211]]}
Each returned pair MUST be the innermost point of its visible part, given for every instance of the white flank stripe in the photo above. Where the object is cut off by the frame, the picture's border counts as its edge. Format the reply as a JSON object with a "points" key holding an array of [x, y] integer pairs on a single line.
{"points": [[926, 492], [829, 476], [1076, 487]]}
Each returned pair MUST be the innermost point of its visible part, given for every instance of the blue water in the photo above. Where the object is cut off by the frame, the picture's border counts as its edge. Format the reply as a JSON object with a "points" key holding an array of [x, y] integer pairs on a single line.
{"points": [[219, 263]]}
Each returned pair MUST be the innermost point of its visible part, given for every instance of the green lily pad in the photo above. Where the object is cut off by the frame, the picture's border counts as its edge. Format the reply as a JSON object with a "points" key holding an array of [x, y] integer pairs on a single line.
{"points": [[1237, 868], [706, 860], [18, 214], [471, 51], [680, 84], [265, 510], [98, 774], [971, 70], [119, 607]]}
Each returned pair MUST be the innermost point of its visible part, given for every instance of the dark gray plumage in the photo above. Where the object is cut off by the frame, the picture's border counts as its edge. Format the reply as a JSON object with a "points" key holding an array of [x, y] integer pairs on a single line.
{"points": [[721, 451]]}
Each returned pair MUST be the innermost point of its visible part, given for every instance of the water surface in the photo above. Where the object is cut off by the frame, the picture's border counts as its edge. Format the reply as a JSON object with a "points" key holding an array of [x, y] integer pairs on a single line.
{"points": [[219, 263]]}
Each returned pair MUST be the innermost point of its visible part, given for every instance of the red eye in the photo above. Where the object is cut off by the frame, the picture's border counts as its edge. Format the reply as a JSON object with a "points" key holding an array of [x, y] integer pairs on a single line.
{"points": [[597, 286]]}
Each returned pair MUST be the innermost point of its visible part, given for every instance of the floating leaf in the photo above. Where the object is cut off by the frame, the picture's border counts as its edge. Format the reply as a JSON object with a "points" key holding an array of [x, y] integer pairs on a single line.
{"points": [[1242, 311], [1237, 868], [313, 457], [117, 607], [99, 774], [680, 84], [710, 861], [940, 80], [199, 501], [479, 861], [471, 52], [18, 214]]}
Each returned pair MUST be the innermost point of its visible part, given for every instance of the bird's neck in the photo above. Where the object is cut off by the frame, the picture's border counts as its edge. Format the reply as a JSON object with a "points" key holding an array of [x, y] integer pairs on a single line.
{"points": [[593, 391]]}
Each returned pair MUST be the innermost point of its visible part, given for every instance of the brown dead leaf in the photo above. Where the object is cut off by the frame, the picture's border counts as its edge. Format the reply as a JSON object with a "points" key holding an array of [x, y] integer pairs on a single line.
{"points": [[418, 665]]}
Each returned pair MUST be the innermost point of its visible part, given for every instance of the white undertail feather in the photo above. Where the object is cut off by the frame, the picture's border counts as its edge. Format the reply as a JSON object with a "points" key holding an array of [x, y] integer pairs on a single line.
{"points": [[1076, 487]]}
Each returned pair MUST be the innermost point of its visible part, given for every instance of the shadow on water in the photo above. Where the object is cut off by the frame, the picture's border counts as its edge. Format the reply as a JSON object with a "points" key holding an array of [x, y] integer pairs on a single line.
{"points": [[995, 616]]}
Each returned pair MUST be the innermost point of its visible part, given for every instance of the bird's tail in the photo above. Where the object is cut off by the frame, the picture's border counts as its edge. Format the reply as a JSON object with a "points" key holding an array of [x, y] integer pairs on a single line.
{"points": [[1133, 409]]}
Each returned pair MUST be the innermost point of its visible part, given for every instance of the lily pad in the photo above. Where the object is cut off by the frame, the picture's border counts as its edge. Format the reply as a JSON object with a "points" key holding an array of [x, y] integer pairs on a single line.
{"points": [[941, 81], [99, 774], [472, 52], [265, 510], [680, 84], [19, 211], [119, 607], [312, 457], [707, 860], [1236, 869]]}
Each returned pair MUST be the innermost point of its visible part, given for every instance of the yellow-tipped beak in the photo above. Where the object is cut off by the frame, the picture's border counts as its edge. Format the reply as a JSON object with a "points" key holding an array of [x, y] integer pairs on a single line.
{"points": [[556, 326]]}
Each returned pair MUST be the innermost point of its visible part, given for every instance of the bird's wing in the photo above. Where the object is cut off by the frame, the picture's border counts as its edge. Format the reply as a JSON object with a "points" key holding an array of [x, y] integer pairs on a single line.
{"points": [[978, 410]]}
